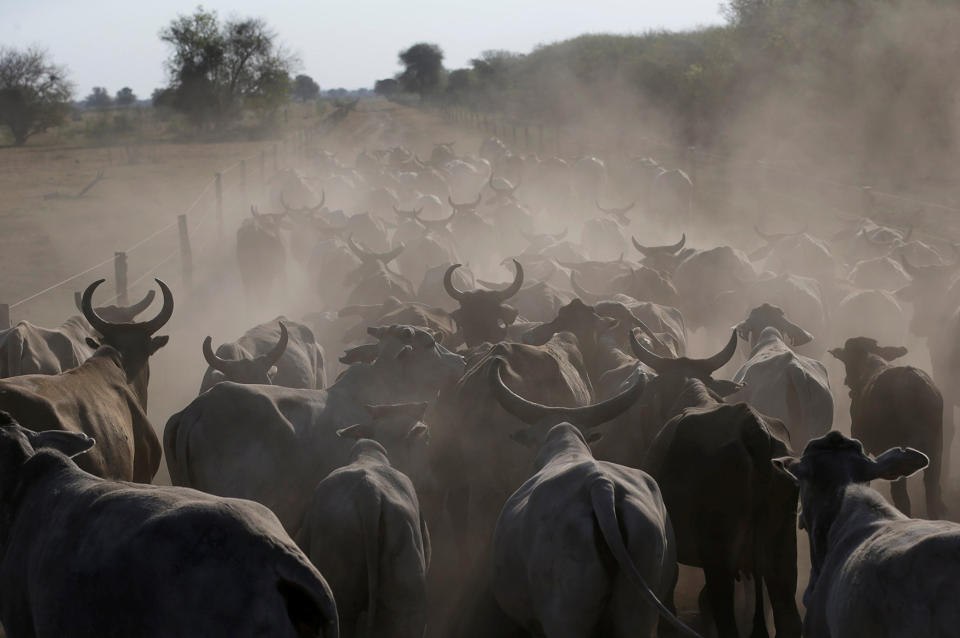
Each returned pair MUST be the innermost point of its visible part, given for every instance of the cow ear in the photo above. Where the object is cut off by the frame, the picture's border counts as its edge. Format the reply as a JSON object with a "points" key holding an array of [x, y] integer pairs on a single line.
{"points": [[743, 331], [92, 343], [890, 353], [837, 353], [896, 463], [526, 437], [356, 431], [70, 443], [158, 342], [791, 467]]}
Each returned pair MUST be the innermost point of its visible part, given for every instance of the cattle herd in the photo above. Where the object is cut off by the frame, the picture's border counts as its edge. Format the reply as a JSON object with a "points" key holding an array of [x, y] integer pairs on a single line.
{"points": [[517, 439]]}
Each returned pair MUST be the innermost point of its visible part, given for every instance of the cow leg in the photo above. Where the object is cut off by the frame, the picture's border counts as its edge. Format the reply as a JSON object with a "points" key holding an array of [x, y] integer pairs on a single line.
{"points": [[719, 590], [759, 618], [901, 500]]}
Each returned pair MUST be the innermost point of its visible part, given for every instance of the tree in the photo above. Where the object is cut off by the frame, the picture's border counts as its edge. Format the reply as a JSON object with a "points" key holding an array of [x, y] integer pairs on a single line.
{"points": [[424, 68], [34, 93], [387, 87], [99, 98], [125, 97], [304, 88], [215, 69]]}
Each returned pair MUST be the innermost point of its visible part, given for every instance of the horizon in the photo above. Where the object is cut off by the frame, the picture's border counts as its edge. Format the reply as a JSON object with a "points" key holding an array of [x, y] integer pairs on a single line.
{"points": [[461, 32]]}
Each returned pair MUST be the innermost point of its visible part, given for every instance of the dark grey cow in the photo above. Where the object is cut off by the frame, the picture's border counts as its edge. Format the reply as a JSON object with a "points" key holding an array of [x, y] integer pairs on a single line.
{"points": [[874, 572], [583, 547], [289, 435], [88, 558], [483, 314], [290, 357], [364, 531]]}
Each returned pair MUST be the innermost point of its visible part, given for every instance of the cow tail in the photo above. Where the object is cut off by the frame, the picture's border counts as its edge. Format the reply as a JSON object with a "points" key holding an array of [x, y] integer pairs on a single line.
{"points": [[604, 508], [370, 514], [176, 449]]}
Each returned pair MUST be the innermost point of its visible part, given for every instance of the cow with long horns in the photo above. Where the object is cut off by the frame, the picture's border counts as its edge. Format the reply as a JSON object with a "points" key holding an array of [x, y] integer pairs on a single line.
{"points": [[105, 397], [483, 314]]}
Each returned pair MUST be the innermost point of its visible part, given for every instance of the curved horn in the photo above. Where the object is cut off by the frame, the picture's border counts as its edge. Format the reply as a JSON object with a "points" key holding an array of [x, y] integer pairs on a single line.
{"points": [[323, 199], [649, 250], [720, 359], [457, 295], [213, 360], [653, 361], [361, 253], [86, 307], [615, 211], [589, 416], [141, 305], [515, 286], [407, 214], [165, 313], [645, 329], [270, 359]]}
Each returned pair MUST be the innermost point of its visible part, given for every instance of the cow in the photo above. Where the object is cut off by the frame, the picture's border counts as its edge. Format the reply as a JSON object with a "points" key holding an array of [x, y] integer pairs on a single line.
{"points": [[874, 571], [289, 435], [731, 512], [663, 258], [105, 397], [583, 547], [779, 382], [395, 312], [483, 315], [894, 405], [88, 557], [30, 349], [261, 254], [373, 280], [364, 532], [292, 359], [796, 253]]}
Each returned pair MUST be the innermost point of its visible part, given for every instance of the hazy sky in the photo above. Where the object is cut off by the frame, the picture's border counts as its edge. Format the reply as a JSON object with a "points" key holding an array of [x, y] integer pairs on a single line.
{"points": [[341, 44]]}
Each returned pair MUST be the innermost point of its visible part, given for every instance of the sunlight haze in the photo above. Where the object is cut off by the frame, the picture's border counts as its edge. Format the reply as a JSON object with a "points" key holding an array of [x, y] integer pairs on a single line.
{"points": [[340, 44]]}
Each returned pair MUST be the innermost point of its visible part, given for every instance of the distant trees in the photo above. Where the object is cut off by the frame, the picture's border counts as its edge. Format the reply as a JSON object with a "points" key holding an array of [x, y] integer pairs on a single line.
{"points": [[304, 88], [125, 97], [387, 87], [423, 69], [34, 92], [99, 98], [217, 68]]}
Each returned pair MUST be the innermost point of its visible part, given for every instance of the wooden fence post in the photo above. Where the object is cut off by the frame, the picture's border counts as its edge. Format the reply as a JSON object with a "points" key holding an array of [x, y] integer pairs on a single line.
{"points": [[243, 182], [4, 316], [219, 189], [186, 254], [120, 276]]}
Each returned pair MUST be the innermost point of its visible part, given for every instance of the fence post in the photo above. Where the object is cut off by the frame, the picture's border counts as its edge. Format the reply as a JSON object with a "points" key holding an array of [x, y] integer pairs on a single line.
{"points": [[219, 189], [120, 276], [186, 255], [275, 166], [4, 316], [866, 201]]}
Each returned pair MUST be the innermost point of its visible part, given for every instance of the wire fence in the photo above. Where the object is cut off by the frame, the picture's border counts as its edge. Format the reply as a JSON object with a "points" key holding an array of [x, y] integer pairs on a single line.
{"points": [[191, 231]]}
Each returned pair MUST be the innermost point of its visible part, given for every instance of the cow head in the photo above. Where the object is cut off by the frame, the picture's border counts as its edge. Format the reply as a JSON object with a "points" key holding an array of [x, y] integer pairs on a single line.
{"points": [[133, 340], [119, 314], [828, 465], [465, 208], [862, 357], [399, 428], [665, 258], [256, 370], [483, 314], [542, 418], [618, 214], [673, 374], [768, 316]]}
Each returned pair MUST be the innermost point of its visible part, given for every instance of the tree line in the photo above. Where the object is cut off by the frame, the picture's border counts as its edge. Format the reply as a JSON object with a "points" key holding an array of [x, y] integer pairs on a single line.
{"points": [[857, 85], [217, 69]]}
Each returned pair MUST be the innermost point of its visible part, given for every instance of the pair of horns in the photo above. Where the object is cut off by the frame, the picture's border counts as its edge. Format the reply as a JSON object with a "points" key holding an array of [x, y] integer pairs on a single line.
{"points": [[704, 366], [615, 211], [589, 416], [660, 250], [267, 361], [105, 327], [468, 205], [502, 295], [367, 256]]}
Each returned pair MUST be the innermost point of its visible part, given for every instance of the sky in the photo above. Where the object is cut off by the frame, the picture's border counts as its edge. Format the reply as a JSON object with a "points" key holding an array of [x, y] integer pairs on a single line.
{"points": [[346, 44]]}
